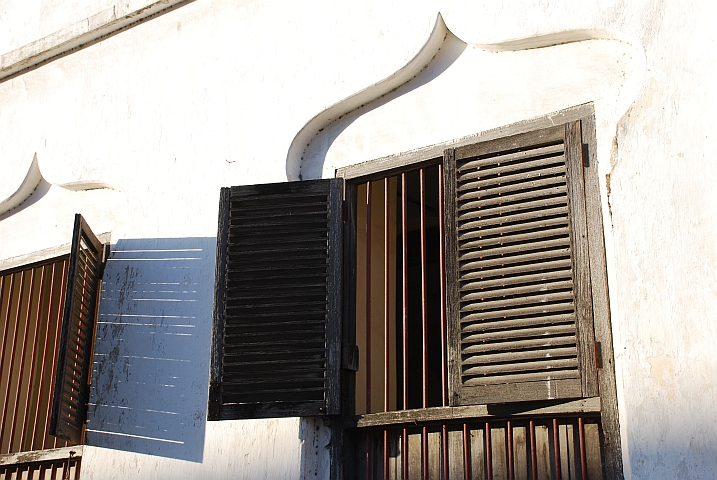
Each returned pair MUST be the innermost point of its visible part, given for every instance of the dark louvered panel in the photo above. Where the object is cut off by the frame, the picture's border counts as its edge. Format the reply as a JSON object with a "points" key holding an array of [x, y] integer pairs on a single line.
{"points": [[69, 407], [518, 321], [280, 293]]}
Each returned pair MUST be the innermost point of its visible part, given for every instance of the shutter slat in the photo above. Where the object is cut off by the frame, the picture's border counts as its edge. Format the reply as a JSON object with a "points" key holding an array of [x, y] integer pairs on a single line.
{"points": [[518, 355], [518, 270], [531, 163], [522, 377], [507, 331], [516, 312], [539, 243], [524, 259], [276, 318], [484, 202], [517, 365], [490, 161], [506, 292], [501, 189], [492, 305], [506, 210], [530, 236], [520, 344], [550, 276]]}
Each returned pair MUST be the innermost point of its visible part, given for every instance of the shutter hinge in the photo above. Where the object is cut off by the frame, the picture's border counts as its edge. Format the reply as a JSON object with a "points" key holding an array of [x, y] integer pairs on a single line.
{"points": [[344, 211], [598, 355], [350, 360]]}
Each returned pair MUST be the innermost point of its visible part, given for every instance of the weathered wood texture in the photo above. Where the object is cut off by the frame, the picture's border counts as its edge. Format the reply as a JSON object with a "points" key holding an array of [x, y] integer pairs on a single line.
{"points": [[74, 363], [601, 304], [280, 323], [438, 414], [482, 450], [522, 274]]}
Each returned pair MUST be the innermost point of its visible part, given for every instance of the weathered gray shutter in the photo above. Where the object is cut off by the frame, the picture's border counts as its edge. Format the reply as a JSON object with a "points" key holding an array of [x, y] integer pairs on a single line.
{"points": [[277, 316], [519, 294], [71, 394]]}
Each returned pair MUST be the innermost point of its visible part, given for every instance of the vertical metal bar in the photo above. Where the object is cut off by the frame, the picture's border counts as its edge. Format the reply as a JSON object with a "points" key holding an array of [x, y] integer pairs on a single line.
{"points": [[6, 401], [21, 371], [533, 452], [404, 454], [424, 453], [556, 450], [488, 452], [385, 454], [511, 465], [3, 324], [58, 327], [368, 297], [386, 289], [444, 444], [441, 254], [38, 417], [404, 276], [424, 293], [583, 452], [36, 342], [466, 453]]}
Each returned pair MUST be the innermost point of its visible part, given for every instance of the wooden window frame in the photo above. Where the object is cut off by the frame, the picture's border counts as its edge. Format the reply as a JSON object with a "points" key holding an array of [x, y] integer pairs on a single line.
{"points": [[605, 403]]}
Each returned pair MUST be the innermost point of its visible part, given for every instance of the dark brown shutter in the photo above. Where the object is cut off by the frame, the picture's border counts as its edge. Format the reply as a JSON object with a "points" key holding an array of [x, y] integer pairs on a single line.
{"points": [[277, 318], [71, 394], [519, 291]]}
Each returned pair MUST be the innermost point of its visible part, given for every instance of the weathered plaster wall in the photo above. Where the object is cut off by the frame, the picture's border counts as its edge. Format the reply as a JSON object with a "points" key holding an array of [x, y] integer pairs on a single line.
{"points": [[214, 93]]}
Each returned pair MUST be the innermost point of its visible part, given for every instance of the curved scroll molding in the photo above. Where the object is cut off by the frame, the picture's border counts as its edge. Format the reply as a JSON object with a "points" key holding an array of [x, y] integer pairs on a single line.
{"points": [[300, 151], [302, 140], [34, 179]]}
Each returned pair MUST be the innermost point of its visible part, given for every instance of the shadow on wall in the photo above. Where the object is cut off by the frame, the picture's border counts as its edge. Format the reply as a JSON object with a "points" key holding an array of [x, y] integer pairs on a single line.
{"points": [[151, 365]]}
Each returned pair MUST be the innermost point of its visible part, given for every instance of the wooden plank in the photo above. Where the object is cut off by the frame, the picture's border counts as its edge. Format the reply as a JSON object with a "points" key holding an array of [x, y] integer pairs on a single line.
{"points": [[594, 457], [334, 294], [498, 451], [452, 277], [434, 455], [581, 257], [540, 136], [455, 454], [601, 303], [477, 455], [542, 447], [490, 163], [415, 464], [454, 414], [521, 452]]}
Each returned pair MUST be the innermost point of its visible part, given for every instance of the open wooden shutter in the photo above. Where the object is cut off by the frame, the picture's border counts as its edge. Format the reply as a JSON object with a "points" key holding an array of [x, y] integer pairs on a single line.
{"points": [[277, 317], [519, 294], [71, 394]]}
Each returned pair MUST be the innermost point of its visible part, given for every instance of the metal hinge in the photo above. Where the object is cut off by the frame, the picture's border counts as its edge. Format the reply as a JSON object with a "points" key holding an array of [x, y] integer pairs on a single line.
{"points": [[350, 360], [344, 210], [598, 355]]}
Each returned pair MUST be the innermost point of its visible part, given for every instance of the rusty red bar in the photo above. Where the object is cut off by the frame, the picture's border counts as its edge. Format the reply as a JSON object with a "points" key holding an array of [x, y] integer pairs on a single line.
{"points": [[556, 450], [15, 320], [26, 427], [385, 454], [424, 303], [368, 297], [466, 453], [404, 276], [533, 453], [444, 349], [20, 393], [404, 454], [424, 453], [386, 319], [444, 439], [488, 452], [583, 453], [7, 324], [511, 465]]}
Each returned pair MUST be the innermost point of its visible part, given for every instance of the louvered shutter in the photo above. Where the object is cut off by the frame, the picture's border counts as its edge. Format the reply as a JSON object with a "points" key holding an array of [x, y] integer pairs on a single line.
{"points": [[276, 345], [71, 394], [518, 282]]}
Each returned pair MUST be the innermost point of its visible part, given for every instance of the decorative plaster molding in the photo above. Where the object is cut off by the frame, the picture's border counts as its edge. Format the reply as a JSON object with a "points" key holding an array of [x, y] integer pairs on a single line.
{"points": [[34, 178], [82, 34]]}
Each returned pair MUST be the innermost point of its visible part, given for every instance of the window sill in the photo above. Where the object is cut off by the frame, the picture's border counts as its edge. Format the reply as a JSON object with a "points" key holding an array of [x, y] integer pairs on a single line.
{"points": [[41, 455], [442, 414]]}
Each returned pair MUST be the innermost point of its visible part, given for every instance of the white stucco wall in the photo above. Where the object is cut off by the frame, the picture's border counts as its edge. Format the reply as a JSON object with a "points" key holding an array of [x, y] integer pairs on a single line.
{"points": [[214, 93]]}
